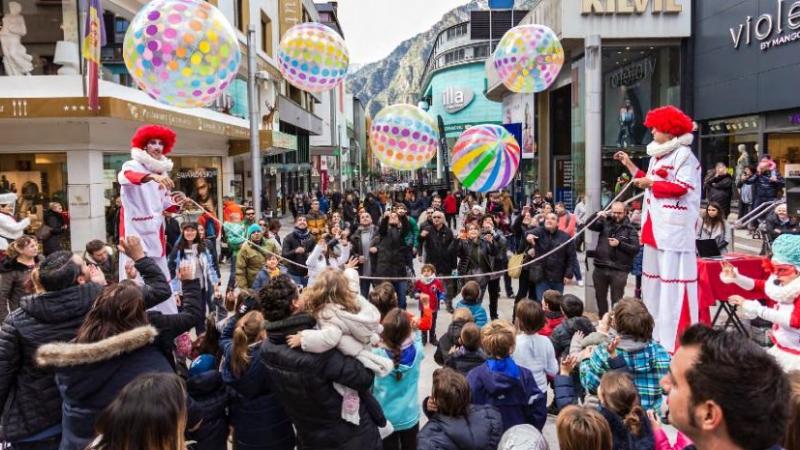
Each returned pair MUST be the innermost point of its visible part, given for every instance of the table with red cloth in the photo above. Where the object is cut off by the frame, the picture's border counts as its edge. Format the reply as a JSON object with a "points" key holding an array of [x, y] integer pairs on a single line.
{"points": [[711, 289]]}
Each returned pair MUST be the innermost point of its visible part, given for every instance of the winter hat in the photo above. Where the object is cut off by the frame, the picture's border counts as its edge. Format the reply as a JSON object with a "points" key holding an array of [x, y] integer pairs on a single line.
{"points": [[786, 249], [147, 132], [8, 199], [523, 437], [254, 228], [670, 120], [202, 364]]}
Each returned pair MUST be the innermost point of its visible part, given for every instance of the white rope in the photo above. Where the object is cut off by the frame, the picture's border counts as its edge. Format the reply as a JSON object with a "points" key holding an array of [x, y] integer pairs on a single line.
{"points": [[446, 277]]}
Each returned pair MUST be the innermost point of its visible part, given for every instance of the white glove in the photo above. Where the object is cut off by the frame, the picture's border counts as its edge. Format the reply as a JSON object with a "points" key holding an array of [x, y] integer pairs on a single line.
{"points": [[752, 309]]}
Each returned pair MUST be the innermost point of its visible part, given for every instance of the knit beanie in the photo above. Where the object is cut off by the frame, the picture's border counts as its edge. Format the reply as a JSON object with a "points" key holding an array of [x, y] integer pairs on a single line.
{"points": [[254, 228], [786, 249]]}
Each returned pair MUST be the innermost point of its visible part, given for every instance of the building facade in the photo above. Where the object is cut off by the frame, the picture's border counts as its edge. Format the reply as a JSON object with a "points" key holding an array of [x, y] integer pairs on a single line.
{"points": [[642, 61], [454, 81], [55, 148], [746, 64]]}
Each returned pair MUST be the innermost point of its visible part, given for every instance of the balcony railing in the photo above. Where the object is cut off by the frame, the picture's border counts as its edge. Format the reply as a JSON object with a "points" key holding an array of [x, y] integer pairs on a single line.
{"points": [[438, 63]]}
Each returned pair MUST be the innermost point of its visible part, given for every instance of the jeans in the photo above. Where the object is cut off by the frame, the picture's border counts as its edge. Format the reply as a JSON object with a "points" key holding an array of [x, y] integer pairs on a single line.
{"points": [[299, 280], [545, 285], [603, 280], [232, 278], [401, 287], [402, 440], [365, 285], [494, 295], [576, 267]]}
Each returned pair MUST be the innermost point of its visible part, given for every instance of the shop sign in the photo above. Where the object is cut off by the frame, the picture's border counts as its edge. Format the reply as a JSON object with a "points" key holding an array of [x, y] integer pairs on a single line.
{"points": [[454, 99], [79, 199], [765, 25], [633, 73], [291, 14], [461, 127], [630, 6]]}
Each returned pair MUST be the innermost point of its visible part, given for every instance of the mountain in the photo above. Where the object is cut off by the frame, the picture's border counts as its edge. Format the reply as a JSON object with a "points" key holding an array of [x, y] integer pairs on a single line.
{"points": [[396, 78]]}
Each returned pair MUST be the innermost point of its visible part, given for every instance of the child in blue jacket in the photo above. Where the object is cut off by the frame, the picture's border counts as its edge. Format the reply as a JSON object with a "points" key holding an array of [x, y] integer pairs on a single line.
{"points": [[500, 382], [398, 392], [470, 299]]}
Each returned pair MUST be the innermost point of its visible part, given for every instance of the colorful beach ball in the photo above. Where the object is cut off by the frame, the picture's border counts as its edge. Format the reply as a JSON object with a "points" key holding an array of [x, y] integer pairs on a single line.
{"points": [[485, 158], [404, 137], [313, 57], [181, 52], [529, 58]]}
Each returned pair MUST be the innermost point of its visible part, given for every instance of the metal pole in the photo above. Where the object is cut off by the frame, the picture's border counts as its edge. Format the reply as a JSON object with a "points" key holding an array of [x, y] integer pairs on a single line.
{"points": [[593, 157], [252, 103]]}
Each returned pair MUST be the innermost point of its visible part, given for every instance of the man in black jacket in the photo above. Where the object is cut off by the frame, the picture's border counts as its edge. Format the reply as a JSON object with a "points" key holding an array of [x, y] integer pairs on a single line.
{"points": [[28, 394], [719, 188], [617, 246], [438, 246], [361, 241], [556, 270], [304, 381], [297, 245]]}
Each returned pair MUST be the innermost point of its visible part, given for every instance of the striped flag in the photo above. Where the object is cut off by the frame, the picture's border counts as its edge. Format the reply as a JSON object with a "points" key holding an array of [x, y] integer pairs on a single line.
{"points": [[92, 41]]}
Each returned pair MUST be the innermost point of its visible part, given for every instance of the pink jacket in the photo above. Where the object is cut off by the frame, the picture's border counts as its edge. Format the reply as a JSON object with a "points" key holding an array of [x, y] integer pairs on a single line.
{"points": [[662, 442]]}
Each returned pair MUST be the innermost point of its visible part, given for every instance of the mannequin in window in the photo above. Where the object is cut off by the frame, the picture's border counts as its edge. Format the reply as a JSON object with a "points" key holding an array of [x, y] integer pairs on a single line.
{"points": [[626, 118], [742, 162]]}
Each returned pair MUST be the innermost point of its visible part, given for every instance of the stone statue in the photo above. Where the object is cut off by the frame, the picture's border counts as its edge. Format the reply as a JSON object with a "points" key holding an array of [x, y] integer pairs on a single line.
{"points": [[16, 59]]}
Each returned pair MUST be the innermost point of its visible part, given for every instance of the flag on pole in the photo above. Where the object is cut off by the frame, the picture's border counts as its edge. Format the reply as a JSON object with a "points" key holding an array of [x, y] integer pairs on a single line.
{"points": [[92, 41]]}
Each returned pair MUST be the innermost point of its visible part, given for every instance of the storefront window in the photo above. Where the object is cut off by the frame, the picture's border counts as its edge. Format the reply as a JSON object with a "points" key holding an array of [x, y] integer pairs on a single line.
{"points": [[37, 179], [636, 79], [784, 148], [197, 177]]}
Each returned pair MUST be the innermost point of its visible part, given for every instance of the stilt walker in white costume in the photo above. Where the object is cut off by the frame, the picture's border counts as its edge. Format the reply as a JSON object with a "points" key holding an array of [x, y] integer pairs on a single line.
{"points": [[670, 209], [145, 191]]}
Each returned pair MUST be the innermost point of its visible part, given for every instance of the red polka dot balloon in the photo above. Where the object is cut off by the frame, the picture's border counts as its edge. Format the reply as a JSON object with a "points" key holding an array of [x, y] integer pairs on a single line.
{"points": [[404, 137], [181, 52]]}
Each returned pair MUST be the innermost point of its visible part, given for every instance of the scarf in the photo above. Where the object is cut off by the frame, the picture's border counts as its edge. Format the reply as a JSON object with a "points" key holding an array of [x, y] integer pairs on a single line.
{"points": [[301, 235], [505, 365], [657, 150], [428, 280], [159, 166]]}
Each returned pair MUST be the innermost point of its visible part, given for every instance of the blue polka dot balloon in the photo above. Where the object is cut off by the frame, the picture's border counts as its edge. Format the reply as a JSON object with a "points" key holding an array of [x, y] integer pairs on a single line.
{"points": [[313, 57]]}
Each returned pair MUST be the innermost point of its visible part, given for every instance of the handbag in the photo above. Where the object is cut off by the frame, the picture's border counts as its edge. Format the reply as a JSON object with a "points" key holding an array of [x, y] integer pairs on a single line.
{"points": [[43, 233], [515, 265]]}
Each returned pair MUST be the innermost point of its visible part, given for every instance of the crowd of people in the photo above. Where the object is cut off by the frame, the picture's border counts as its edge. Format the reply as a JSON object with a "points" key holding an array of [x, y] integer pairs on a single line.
{"points": [[311, 342]]}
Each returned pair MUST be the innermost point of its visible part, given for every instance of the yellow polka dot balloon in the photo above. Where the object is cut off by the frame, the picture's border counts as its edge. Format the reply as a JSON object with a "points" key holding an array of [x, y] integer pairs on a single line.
{"points": [[181, 52]]}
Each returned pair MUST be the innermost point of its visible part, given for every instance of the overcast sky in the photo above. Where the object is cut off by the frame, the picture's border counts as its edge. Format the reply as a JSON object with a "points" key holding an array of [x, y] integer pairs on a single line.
{"points": [[373, 28]]}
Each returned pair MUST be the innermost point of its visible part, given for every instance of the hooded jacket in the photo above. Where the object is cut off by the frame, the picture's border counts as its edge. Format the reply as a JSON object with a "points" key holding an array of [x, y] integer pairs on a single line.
{"points": [[208, 423], [13, 278], [481, 429], [89, 376], [31, 401], [562, 335], [463, 360], [251, 259], [303, 382], [399, 397], [519, 400]]}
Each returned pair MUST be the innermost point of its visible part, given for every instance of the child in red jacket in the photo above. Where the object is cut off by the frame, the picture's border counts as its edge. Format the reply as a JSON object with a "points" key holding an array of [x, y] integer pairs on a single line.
{"points": [[431, 291], [552, 311]]}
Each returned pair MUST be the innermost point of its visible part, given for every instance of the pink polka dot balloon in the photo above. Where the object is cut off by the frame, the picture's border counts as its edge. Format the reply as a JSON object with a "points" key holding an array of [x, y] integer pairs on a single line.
{"points": [[529, 58], [404, 137], [181, 52]]}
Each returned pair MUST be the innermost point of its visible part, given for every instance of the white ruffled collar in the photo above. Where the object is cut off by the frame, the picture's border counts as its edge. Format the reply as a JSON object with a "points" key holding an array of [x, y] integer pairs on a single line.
{"points": [[785, 294], [654, 149], [159, 166]]}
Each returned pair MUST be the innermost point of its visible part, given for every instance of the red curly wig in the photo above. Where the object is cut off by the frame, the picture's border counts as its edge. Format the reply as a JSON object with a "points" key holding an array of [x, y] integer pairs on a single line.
{"points": [[670, 120], [147, 132]]}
